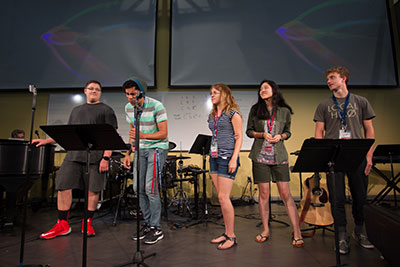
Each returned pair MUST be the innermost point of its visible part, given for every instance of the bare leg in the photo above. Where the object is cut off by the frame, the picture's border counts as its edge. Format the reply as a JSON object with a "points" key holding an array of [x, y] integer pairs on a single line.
{"points": [[93, 200], [284, 192], [263, 205], [64, 199], [214, 178], [225, 187]]}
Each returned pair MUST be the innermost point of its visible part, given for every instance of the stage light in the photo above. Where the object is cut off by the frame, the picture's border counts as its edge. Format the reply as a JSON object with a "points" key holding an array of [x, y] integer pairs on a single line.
{"points": [[77, 99]]}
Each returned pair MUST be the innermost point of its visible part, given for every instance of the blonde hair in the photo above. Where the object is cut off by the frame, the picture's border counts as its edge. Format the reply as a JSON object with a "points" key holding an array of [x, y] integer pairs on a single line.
{"points": [[227, 99]]}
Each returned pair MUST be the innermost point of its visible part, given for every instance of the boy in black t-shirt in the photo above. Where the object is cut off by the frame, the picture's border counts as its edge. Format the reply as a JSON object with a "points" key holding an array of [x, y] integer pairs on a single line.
{"points": [[73, 168]]}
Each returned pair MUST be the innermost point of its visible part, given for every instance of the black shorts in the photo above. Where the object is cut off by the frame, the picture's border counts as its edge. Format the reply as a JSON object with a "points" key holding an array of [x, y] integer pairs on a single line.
{"points": [[71, 174]]}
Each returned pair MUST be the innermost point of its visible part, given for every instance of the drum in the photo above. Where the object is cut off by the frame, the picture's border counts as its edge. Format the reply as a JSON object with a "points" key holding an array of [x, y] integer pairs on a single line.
{"points": [[117, 170], [169, 173]]}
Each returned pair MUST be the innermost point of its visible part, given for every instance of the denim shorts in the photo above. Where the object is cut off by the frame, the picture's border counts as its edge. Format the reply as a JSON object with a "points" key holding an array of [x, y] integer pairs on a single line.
{"points": [[220, 166]]}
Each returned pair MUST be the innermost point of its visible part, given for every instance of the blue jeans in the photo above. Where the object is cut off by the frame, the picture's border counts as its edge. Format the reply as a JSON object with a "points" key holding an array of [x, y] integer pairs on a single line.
{"points": [[149, 193]]}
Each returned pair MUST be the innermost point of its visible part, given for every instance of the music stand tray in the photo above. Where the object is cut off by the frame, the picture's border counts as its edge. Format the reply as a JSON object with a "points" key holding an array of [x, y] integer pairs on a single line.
{"points": [[85, 137], [332, 155], [78, 136], [315, 154], [201, 145]]}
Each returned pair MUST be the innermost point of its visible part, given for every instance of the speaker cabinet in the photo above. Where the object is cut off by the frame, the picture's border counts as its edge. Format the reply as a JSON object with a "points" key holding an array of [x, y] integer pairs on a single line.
{"points": [[383, 229]]}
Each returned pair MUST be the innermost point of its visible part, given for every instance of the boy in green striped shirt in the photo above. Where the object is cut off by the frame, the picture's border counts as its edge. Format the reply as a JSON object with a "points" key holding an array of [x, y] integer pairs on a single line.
{"points": [[153, 150]]}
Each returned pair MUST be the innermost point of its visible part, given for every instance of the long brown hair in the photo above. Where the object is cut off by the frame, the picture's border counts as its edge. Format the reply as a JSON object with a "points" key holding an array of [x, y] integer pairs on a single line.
{"points": [[227, 99]]}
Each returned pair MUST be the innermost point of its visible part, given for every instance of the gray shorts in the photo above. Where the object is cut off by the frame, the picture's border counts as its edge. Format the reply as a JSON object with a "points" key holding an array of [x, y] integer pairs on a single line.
{"points": [[264, 173], [71, 174]]}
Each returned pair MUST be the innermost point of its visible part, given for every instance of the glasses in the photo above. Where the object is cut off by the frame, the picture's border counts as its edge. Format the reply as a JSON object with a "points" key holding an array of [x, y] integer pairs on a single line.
{"points": [[93, 88], [215, 93]]}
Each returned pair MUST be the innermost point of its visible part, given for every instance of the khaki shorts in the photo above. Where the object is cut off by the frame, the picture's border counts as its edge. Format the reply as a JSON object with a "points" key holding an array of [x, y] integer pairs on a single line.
{"points": [[264, 173]]}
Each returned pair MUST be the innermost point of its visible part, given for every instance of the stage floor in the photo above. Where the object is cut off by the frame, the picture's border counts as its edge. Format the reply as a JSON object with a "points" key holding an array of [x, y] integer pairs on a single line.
{"points": [[112, 245]]}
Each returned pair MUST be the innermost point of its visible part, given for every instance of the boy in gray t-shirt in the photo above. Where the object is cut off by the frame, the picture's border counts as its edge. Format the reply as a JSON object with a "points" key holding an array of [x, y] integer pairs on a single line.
{"points": [[342, 116]]}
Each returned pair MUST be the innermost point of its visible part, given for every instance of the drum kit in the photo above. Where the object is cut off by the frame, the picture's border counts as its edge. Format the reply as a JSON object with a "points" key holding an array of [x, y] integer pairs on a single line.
{"points": [[173, 175], [180, 199]]}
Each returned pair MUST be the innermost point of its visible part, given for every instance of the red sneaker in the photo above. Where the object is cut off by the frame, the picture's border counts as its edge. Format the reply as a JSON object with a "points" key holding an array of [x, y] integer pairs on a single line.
{"points": [[90, 230], [60, 228]]}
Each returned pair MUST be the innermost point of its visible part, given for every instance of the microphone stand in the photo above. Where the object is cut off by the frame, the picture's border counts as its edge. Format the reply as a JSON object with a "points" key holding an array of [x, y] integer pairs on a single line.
{"points": [[32, 89], [138, 257]]}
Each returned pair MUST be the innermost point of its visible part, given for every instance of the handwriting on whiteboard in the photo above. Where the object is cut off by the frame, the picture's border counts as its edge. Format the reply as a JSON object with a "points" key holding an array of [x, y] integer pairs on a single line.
{"points": [[188, 108]]}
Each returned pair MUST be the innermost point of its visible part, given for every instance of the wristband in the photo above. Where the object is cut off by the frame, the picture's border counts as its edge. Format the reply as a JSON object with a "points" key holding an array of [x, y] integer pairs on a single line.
{"points": [[106, 158]]}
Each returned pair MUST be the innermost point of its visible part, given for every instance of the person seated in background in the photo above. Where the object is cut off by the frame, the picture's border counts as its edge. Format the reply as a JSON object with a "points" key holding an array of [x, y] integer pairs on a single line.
{"points": [[18, 133]]}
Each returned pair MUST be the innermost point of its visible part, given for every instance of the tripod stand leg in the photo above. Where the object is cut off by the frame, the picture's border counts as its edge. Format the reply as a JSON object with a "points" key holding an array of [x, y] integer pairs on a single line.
{"points": [[186, 200], [174, 199], [121, 195], [138, 259], [165, 202]]}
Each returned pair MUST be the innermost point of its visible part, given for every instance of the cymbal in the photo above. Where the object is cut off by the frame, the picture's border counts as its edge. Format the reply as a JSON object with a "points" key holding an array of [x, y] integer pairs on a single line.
{"points": [[173, 157], [171, 146]]}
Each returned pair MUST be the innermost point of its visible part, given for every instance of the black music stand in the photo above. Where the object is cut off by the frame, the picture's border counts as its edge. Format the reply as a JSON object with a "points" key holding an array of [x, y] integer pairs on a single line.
{"points": [[87, 137], [202, 146], [33, 90], [332, 155], [387, 154]]}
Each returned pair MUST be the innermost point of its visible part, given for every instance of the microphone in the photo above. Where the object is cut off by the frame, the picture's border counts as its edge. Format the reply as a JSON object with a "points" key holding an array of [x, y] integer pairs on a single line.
{"points": [[37, 133], [139, 96], [32, 89]]}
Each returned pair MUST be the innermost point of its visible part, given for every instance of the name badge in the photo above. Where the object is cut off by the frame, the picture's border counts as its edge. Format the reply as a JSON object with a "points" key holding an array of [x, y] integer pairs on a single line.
{"points": [[343, 134], [214, 149], [268, 148]]}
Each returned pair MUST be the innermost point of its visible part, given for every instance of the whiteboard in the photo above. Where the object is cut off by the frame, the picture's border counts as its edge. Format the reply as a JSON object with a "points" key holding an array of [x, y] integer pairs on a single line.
{"points": [[187, 112]]}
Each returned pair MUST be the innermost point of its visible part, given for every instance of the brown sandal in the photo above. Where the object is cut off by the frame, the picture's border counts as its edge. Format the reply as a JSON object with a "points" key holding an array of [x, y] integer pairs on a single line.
{"points": [[298, 243], [261, 238], [218, 242]]}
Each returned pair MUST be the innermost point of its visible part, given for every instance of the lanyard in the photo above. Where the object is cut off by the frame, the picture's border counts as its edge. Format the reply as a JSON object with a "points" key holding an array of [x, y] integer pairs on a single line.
{"points": [[216, 119], [342, 114], [270, 123]]}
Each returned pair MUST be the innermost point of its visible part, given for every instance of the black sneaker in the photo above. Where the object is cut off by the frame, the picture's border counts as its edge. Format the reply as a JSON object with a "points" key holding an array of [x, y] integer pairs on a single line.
{"points": [[142, 232], [344, 247], [362, 240], [154, 236]]}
